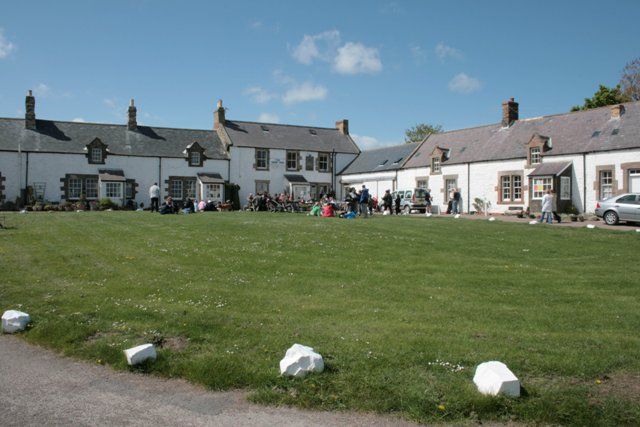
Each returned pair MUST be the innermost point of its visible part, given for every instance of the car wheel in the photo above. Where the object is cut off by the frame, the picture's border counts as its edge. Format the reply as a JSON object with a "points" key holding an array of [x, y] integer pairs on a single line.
{"points": [[610, 217], [407, 209]]}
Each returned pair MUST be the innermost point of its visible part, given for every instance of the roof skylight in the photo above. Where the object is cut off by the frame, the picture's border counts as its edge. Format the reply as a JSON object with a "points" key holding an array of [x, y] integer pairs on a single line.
{"points": [[264, 128]]}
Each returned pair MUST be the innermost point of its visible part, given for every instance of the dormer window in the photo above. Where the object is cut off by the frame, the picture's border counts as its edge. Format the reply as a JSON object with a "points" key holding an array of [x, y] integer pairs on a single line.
{"points": [[435, 165], [535, 156], [96, 152], [195, 155]]}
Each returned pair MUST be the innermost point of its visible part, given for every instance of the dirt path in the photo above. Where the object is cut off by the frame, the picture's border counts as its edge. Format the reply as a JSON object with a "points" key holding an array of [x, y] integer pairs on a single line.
{"points": [[40, 387]]}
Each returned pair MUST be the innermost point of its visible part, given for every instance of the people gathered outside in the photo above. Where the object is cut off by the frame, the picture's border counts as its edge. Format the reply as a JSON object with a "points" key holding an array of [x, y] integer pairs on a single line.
{"points": [[456, 201], [364, 202], [427, 201], [547, 207], [154, 195], [387, 201], [397, 202], [167, 207]]}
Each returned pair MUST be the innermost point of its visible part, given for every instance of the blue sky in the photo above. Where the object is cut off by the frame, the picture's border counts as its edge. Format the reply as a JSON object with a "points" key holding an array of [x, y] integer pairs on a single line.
{"points": [[384, 65]]}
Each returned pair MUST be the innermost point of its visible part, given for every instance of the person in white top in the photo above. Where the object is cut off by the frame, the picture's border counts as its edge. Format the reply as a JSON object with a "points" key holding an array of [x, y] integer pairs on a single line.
{"points": [[154, 194], [547, 207]]}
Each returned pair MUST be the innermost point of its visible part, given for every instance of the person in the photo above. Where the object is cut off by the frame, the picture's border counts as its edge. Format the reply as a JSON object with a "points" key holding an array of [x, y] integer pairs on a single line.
{"points": [[457, 198], [547, 207], [554, 207], [328, 210], [352, 200], [249, 202], [167, 207], [387, 201], [315, 210], [427, 201], [202, 205], [398, 201], [154, 194], [140, 208], [364, 202], [450, 202]]}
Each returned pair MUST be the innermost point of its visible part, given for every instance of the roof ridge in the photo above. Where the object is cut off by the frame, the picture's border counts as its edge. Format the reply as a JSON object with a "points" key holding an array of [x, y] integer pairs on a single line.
{"points": [[282, 124], [404, 144], [109, 124]]}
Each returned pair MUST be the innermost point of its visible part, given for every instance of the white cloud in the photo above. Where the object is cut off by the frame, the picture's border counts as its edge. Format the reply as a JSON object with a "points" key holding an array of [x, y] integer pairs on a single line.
{"points": [[304, 92], [463, 83], [444, 52], [42, 90], [268, 118], [418, 54], [355, 58], [110, 102], [259, 95], [6, 47], [368, 142], [320, 46], [78, 120], [350, 58]]}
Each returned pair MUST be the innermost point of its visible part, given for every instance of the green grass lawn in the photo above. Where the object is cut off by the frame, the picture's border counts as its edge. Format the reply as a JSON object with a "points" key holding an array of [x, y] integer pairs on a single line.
{"points": [[386, 301]]}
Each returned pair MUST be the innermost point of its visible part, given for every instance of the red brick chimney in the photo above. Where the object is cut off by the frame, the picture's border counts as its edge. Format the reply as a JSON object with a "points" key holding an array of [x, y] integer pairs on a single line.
{"points": [[132, 124], [509, 112], [30, 111], [343, 126], [218, 116]]}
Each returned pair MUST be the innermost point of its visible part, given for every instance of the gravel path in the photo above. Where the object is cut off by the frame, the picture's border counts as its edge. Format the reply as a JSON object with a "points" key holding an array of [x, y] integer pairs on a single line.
{"points": [[40, 387]]}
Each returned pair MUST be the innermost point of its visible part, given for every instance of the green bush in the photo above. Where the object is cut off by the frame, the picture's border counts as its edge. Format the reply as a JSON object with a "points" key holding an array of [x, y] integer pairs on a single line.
{"points": [[106, 203]]}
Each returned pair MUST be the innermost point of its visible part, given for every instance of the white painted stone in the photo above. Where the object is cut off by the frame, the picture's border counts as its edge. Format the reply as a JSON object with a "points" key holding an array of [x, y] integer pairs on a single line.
{"points": [[140, 353], [591, 226], [637, 230], [534, 222], [14, 321], [386, 212], [300, 360], [494, 377], [492, 219], [457, 216], [429, 214]]}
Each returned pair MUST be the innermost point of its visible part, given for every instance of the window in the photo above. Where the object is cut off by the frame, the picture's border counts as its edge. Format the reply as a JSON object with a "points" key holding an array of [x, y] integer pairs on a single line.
{"points": [[74, 188], [262, 158], [435, 165], [628, 199], [535, 157], [450, 184], [565, 188], [182, 187], [421, 182], [262, 187], [292, 160], [408, 194], [195, 159], [323, 162], [322, 189], [540, 187], [96, 155], [128, 189], [38, 190], [606, 184], [510, 188], [212, 192], [91, 188], [113, 190], [309, 163], [382, 163]]}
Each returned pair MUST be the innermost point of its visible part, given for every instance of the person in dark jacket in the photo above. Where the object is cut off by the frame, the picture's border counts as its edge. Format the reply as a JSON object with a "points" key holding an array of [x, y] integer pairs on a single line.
{"points": [[387, 201], [398, 200], [364, 202]]}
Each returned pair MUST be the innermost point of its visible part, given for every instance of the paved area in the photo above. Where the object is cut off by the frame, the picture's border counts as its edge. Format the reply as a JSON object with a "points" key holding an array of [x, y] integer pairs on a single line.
{"points": [[40, 387]]}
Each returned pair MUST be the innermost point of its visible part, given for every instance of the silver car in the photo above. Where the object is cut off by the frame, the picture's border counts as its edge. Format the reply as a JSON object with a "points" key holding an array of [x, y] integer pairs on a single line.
{"points": [[623, 207]]}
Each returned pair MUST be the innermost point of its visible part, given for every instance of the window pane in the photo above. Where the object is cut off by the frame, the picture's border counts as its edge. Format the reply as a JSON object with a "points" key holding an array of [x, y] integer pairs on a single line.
{"points": [[323, 162], [190, 188], [565, 188], [176, 189], [194, 158], [74, 188], [627, 199], [606, 184], [535, 155], [261, 159], [506, 188], [292, 160], [96, 155], [113, 190], [91, 188]]}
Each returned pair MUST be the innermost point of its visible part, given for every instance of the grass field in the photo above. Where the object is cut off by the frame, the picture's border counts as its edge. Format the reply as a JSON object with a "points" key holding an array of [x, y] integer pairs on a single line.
{"points": [[393, 304]]}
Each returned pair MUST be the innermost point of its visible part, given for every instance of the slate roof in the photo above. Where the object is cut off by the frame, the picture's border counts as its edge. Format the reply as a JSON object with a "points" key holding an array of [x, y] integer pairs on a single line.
{"points": [[209, 178], [72, 137], [550, 168], [111, 175], [381, 159], [571, 133], [289, 137]]}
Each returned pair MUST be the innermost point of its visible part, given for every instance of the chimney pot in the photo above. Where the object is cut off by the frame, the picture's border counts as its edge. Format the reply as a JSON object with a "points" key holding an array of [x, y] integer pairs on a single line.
{"points": [[131, 103], [218, 116], [343, 126], [509, 112], [30, 111]]}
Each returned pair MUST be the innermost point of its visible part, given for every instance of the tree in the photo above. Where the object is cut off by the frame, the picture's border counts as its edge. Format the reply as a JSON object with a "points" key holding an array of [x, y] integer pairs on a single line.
{"points": [[630, 80], [603, 96], [421, 131]]}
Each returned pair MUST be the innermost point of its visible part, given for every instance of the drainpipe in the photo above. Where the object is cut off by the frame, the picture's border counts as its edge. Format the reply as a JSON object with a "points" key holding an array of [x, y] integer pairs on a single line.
{"points": [[26, 177], [468, 187], [160, 177], [333, 171], [584, 182]]}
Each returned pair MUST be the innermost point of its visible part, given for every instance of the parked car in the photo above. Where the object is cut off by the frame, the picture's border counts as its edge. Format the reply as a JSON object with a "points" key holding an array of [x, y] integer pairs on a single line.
{"points": [[623, 207], [411, 200]]}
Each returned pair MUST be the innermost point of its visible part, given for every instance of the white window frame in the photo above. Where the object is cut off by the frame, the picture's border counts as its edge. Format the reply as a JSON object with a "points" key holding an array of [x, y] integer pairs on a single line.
{"points": [[505, 185], [195, 159], [293, 160], [323, 162], [74, 188], [212, 192], [96, 155], [535, 155], [606, 184], [435, 165], [422, 183], [545, 183], [262, 155], [516, 184], [113, 190], [94, 187], [262, 186]]}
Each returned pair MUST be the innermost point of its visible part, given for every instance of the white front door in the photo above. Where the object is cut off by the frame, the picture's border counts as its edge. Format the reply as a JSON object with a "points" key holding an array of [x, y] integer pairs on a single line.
{"points": [[634, 181], [212, 192]]}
